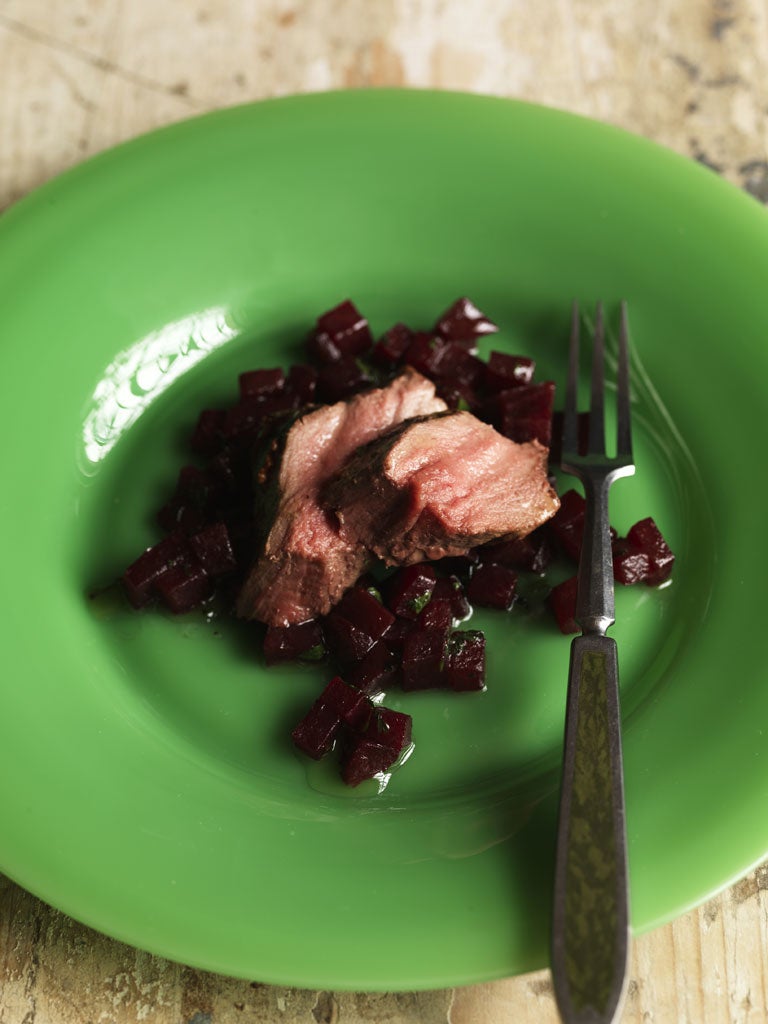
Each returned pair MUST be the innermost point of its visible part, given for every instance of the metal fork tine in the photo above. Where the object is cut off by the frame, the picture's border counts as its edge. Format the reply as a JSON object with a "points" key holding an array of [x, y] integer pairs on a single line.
{"points": [[596, 405], [624, 422], [570, 416]]}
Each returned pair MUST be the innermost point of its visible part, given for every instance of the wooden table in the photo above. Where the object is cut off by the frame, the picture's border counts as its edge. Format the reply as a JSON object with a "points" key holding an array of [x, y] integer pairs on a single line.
{"points": [[77, 77]]}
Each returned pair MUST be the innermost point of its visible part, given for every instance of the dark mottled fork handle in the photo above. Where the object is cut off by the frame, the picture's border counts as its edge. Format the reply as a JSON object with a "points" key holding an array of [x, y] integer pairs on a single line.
{"points": [[591, 929]]}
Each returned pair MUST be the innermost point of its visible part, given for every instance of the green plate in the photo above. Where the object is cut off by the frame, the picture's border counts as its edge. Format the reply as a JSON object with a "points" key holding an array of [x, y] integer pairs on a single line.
{"points": [[147, 785]]}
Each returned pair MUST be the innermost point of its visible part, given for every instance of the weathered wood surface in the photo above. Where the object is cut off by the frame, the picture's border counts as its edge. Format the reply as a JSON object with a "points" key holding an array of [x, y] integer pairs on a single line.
{"points": [[79, 76]]}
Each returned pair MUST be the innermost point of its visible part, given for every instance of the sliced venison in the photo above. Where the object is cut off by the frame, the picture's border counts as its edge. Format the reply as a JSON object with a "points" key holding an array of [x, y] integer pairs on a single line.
{"points": [[438, 486], [303, 563]]}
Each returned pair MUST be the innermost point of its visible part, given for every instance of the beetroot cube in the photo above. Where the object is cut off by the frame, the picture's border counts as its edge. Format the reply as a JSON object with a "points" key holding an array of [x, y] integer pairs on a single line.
{"points": [[450, 587], [141, 576], [184, 587], [463, 321], [525, 412], [457, 366], [342, 331], [390, 348], [208, 435], [364, 760], [630, 565], [409, 589], [338, 704], [390, 728], [246, 420], [213, 549], [363, 610], [465, 660], [378, 747], [261, 383], [189, 507], [436, 615], [531, 553], [645, 536], [316, 732], [459, 396], [567, 524], [395, 636], [459, 565], [493, 586], [424, 353], [423, 653], [303, 640], [375, 672], [301, 383], [347, 641], [504, 371], [562, 601], [342, 378]]}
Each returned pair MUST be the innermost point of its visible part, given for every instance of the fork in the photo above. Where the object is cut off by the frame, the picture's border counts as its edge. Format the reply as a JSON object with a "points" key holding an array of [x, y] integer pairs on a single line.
{"points": [[590, 924]]}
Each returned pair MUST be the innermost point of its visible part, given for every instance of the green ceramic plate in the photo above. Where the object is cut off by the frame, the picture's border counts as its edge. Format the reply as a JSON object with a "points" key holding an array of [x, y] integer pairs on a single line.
{"points": [[147, 786]]}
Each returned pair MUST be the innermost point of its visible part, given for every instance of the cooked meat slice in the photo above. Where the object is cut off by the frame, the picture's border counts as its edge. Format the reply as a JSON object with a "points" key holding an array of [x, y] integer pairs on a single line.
{"points": [[438, 486], [304, 565]]}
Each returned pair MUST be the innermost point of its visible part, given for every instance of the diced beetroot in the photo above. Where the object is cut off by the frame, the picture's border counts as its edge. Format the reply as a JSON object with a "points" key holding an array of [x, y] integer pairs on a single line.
{"points": [[458, 395], [630, 565], [348, 642], [261, 383], [208, 435], [184, 587], [457, 366], [424, 353], [337, 705], [140, 578], [364, 611], [567, 524], [390, 348], [395, 636], [409, 589], [364, 760], [303, 640], [463, 321], [376, 748], [423, 653], [301, 383], [532, 553], [342, 331], [504, 371], [375, 672], [190, 507], [646, 536], [493, 586], [390, 728], [459, 565], [317, 730], [213, 549], [436, 615], [525, 412], [340, 379], [562, 601], [465, 660], [451, 588], [246, 419]]}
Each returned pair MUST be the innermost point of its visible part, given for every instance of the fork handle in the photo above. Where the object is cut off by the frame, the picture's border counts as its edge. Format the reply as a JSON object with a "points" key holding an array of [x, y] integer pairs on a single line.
{"points": [[590, 940]]}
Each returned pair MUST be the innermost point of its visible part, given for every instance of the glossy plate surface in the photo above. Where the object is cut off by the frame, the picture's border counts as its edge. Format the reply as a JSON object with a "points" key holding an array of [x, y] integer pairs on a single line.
{"points": [[147, 786]]}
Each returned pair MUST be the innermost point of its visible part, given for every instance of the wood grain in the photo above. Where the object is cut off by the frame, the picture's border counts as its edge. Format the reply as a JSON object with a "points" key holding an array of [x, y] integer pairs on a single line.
{"points": [[81, 76]]}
